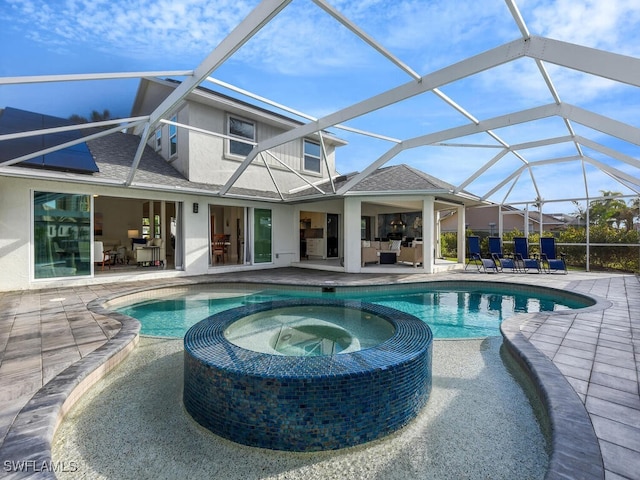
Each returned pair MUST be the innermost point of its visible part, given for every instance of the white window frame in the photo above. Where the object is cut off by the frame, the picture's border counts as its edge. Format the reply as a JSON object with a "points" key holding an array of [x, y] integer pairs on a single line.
{"points": [[305, 155], [232, 136], [158, 139], [173, 134]]}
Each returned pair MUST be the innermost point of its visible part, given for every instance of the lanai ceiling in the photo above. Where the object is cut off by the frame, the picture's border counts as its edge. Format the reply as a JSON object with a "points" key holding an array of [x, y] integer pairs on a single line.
{"points": [[517, 140]]}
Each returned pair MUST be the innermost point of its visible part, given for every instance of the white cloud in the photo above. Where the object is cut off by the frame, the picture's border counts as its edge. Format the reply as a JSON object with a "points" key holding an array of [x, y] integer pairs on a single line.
{"points": [[603, 24], [135, 28], [302, 39]]}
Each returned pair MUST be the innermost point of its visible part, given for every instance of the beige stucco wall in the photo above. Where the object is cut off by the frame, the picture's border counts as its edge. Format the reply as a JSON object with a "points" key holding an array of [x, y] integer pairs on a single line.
{"points": [[209, 161], [478, 220]]}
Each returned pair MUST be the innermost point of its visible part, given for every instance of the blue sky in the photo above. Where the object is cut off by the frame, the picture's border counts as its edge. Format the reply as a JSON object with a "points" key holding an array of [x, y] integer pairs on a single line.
{"points": [[306, 60]]}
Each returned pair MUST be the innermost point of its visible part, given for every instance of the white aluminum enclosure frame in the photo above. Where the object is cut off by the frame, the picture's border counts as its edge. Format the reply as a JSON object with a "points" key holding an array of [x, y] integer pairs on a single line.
{"points": [[543, 51]]}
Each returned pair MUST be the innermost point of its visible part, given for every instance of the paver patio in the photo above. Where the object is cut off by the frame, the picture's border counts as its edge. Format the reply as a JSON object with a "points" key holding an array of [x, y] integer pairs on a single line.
{"points": [[44, 332]]}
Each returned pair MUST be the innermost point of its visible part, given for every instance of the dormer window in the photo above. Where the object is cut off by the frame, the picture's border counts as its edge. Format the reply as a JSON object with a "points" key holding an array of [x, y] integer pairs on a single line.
{"points": [[312, 156], [158, 139], [245, 131]]}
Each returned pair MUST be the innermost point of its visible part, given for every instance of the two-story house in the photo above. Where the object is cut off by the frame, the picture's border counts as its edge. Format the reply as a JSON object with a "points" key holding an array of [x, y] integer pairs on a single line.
{"points": [[94, 210]]}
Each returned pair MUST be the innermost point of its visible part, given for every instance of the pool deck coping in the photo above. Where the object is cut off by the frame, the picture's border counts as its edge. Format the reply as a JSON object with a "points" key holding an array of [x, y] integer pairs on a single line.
{"points": [[554, 350]]}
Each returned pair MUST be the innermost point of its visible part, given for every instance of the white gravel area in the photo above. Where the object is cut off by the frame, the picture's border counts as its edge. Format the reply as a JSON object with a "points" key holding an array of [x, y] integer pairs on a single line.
{"points": [[477, 424]]}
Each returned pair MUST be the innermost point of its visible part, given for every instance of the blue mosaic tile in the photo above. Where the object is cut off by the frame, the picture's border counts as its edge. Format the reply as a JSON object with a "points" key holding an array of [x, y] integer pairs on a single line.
{"points": [[306, 403]]}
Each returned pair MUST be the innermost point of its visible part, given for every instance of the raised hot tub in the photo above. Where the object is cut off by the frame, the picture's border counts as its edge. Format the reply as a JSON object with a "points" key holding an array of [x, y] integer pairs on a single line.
{"points": [[307, 374]]}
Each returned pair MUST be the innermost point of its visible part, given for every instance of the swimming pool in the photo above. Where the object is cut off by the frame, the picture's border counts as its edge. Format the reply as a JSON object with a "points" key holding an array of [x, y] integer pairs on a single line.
{"points": [[451, 309]]}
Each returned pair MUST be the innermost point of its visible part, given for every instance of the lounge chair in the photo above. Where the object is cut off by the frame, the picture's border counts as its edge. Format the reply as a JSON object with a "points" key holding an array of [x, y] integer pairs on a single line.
{"points": [[521, 249], [495, 246], [549, 259], [474, 256], [499, 258]]}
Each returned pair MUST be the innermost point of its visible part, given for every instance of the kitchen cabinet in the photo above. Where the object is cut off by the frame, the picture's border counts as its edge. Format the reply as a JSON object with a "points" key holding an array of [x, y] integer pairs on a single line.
{"points": [[315, 247], [318, 220]]}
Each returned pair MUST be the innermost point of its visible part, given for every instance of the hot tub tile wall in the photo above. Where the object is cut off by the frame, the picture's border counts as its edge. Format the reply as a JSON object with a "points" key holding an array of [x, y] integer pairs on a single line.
{"points": [[306, 403]]}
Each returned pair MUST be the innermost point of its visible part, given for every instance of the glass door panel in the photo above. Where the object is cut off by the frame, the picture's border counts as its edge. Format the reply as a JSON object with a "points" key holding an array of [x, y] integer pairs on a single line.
{"points": [[262, 235]]}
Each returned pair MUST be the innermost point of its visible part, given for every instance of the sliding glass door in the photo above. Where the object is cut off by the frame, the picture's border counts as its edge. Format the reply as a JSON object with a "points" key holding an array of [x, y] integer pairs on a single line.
{"points": [[262, 235], [61, 235]]}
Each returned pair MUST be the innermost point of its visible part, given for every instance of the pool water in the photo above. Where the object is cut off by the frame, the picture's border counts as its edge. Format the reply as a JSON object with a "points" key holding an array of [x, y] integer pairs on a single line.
{"points": [[453, 312], [309, 330]]}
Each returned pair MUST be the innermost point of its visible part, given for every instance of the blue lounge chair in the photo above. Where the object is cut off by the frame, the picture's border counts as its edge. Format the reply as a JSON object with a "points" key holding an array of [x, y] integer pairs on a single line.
{"points": [[501, 261], [495, 246], [521, 249], [550, 261], [474, 256]]}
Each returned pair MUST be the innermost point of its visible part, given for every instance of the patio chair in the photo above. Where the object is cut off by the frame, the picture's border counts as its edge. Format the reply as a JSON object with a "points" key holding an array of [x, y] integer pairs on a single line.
{"points": [[474, 256], [100, 255], [501, 260], [548, 256], [495, 246], [522, 258], [220, 248]]}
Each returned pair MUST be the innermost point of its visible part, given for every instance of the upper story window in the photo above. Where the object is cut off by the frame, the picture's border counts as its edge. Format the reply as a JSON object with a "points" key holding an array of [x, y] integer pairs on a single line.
{"points": [[158, 139], [312, 156], [173, 137], [242, 129]]}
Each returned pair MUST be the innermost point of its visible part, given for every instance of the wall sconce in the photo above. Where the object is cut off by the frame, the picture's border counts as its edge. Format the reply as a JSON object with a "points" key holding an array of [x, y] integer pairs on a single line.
{"points": [[195, 208]]}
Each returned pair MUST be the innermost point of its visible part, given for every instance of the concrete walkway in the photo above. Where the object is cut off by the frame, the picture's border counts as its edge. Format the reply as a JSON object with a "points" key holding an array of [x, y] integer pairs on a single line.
{"points": [[49, 337]]}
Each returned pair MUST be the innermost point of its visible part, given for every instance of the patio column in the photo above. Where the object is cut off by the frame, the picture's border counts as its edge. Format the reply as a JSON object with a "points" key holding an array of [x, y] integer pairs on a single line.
{"points": [[428, 239], [438, 252], [164, 228], [540, 220], [462, 227], [352, 218], [151, 219]]}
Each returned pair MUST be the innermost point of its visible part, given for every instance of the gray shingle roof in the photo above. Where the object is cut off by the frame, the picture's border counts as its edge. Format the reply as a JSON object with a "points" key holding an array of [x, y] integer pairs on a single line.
{"points": [[114, 155], [400, 178], [396, 178]]}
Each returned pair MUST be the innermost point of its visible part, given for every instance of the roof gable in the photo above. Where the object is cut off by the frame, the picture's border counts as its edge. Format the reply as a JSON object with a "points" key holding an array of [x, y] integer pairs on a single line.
{"points": [[399, 178]]}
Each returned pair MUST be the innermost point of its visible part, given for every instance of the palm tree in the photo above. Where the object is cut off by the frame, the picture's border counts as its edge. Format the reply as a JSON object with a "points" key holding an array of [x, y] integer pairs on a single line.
{"points": [[627, 214], [580, 213], [95, 116], [99, 117], [608, 210]]}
